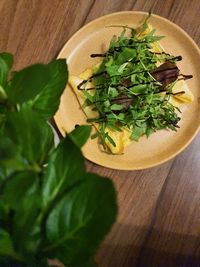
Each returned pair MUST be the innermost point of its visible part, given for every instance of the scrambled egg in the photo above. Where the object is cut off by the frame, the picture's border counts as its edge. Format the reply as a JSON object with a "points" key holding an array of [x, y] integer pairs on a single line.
{"points": [[121, 139]]}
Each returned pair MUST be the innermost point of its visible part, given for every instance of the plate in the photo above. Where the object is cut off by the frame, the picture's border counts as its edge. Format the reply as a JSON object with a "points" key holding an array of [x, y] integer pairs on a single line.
{"points": [[160, 146]]}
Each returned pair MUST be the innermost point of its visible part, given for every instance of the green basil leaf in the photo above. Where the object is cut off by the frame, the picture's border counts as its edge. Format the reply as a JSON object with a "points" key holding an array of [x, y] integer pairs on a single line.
{"points": [[6, 61], [2, 120], [26, 204], [32, 134], [10, 156], [8, 58], [7, 149], [27, 83], [3, 213], [27, 184], [2, 175], [65, 168], [41, 85], [6, 246], [47, 101], [73, 227], [3, 95], [80, 135]]}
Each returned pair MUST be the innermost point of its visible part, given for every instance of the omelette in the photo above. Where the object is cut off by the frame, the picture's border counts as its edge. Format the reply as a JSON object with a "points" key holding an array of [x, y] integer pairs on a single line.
{"points": [[115, 140]]}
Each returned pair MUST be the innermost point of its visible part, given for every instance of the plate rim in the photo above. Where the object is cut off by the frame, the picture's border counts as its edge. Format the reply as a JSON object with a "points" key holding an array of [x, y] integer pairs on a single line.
{"points": [[173, 25]]}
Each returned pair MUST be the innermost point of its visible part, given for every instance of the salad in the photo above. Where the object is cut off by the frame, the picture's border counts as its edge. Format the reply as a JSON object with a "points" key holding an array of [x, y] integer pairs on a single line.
{"points": [[134, 91]]}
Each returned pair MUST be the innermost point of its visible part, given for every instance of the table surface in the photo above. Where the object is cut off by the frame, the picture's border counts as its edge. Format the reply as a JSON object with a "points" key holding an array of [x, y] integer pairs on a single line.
{"points": [[159, 208]]}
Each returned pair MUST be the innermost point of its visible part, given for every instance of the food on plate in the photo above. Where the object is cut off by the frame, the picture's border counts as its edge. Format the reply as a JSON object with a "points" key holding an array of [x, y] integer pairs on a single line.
{"points": [[135, 90]]}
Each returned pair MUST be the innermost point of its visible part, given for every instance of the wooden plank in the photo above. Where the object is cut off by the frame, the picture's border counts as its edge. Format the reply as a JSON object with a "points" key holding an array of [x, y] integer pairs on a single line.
{"points": [[159, 209]]}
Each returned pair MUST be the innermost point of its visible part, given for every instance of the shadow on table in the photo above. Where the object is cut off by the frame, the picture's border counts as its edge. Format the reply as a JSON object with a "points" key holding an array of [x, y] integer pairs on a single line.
{"points": [[128, 246]]}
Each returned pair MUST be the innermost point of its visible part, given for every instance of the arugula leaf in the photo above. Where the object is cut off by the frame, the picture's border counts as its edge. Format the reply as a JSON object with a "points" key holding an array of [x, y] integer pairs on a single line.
{"points": [[110, 139], [145, 23], [125, 55], [112, 92], [74, 222], [116, 107], [139, 89], [88, 96], [137, 132]]}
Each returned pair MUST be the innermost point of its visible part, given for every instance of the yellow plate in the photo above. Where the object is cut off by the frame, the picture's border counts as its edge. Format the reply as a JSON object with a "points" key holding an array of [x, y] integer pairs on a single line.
{"points": [[160, 146]]}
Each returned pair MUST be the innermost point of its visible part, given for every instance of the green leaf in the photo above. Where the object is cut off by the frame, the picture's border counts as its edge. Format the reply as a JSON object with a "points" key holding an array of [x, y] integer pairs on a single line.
{"points": [[7, 149], [125, 55], [2, 121], [8, 58], [113, 41], [113, 69], [26, 204], [112, 92], [21, 196], [3, 213], [95, 135], [66, 167], [137, 132], [32, 134], [27, 183], [26, 84], [47, 101], [80, 134], [145, 23], [41, 85], [110, 139], [88, 96], [73, 227], [6, 61], [6, 246], [3, 95], [116, 107], [139, 89], [10, 156]]}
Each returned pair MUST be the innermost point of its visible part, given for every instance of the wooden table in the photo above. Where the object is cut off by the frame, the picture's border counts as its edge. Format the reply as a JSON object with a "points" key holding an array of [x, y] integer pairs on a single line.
{"points": [[158, 223]]}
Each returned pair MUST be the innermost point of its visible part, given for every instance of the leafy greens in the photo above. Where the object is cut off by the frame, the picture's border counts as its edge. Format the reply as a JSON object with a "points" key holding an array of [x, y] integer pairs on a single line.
{"points": [[126, 93]]}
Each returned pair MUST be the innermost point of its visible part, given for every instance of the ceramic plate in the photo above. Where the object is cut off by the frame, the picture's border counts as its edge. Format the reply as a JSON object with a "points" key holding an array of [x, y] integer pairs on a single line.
{"points": [[160, 146]]}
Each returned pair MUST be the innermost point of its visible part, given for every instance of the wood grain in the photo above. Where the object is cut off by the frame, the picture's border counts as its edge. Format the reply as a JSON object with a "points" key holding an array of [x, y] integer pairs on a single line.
{"points": [[158, 223]]}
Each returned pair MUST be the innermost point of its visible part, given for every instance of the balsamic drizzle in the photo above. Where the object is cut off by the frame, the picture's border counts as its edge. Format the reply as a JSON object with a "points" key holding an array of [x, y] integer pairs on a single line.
{"points": [[177, 58], [101, 86]]}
